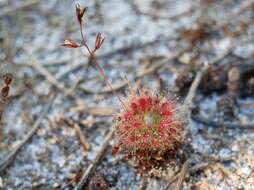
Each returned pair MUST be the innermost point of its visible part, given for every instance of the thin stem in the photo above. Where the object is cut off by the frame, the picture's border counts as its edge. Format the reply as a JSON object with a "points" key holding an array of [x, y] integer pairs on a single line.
{"points": [[81, 32], [84, 43], [104, 76], [100, 68]]}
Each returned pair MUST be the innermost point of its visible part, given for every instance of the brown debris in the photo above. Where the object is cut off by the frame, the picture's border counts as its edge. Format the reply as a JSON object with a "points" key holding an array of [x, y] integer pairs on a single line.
{"points": [[214, 80], [184, 79], [227, 104], [4, 96], [75, 177], [231, 33], [4, 93], [250, 85], [247, 82], [226, 107], [145, 161], [98, 182], [205, 135], [196, 34]]}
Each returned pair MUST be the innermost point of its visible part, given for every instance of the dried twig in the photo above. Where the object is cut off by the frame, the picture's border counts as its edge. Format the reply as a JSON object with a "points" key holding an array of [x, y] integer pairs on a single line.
{"points": [[192, 90], [102, 110], [234, 44], [182, 175], [22, 5], [85, 143], [205, 135], [190, 148], [213, 165], [210, 122], [51, 79], [240, 8], [189, 98], [5, 163], [96, 160], [118, 159], [247, 103], [199, 167], [216, 159], [192, 170], [171, 180], [157, 15], [82, 139]]}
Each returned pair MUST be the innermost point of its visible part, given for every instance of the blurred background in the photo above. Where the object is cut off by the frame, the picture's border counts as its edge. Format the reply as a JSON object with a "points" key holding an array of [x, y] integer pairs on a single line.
{"points": [[159, 45]]}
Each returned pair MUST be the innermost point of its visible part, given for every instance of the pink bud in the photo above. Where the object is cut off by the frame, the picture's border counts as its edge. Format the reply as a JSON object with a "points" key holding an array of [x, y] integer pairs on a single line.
{"points": [[69, 43], [80, 12], [98, 41]]}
